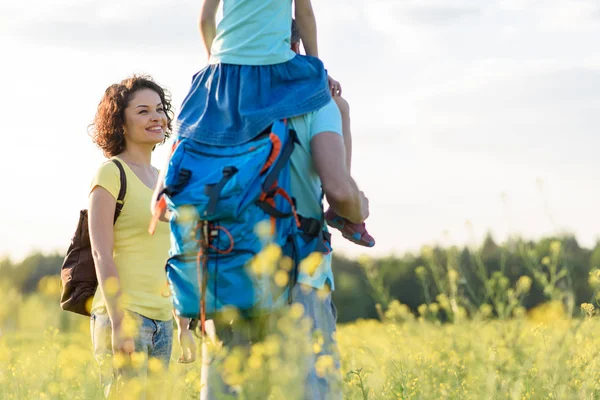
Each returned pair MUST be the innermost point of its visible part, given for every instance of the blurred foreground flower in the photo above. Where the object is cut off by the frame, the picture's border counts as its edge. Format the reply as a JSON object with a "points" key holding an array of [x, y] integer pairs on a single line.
{"points": [[587, 309]]}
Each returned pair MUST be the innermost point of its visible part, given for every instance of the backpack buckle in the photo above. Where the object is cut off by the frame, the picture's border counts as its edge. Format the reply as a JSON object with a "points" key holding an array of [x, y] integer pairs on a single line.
{"points": [[327, 237], [310, 226]]}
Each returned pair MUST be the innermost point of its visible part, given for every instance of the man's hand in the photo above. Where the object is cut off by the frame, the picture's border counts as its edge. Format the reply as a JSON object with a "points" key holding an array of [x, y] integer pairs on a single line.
{"points": [[334, 86], [364, 208], [187, 343]]}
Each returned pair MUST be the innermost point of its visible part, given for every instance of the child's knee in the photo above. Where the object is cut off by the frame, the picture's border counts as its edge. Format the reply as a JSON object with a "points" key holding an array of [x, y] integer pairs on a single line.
{"points": [[342, 105]]}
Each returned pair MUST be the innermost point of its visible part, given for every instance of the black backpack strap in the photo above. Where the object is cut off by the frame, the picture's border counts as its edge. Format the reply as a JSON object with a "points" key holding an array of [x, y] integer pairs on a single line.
{"points": [[312, 228], [272, 211], [214, 191], [315, 228], [122, 190]]}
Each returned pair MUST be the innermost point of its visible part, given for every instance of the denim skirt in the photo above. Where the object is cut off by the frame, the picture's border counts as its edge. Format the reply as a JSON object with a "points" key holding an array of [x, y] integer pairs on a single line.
{"points": [[231, 104]]}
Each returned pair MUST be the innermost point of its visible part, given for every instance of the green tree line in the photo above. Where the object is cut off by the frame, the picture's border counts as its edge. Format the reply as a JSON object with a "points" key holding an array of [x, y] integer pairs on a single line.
{"points": [[498, 278]]}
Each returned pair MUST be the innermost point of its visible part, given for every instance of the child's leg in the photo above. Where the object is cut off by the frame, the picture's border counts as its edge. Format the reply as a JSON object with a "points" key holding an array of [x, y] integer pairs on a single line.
{"points": [[345, 111]]}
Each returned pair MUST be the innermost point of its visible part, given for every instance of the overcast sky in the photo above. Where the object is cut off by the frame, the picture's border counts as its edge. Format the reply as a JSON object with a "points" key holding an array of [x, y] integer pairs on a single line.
{"points": [[479, 111]]}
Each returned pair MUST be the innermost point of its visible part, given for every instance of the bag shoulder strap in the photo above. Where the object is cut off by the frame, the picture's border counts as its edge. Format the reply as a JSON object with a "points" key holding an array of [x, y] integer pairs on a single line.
{"points": [[122, 190], [281, 162]]}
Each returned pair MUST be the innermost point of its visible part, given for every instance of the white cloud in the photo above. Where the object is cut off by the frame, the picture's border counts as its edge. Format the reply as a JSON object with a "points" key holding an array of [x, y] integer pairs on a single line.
{"points": [[558, 15], [570, 16], [110, 24]]}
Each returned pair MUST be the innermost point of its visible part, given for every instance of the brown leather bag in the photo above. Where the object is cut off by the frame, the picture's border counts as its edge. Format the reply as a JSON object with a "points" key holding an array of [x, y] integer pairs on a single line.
{"points": [[78, 274]]}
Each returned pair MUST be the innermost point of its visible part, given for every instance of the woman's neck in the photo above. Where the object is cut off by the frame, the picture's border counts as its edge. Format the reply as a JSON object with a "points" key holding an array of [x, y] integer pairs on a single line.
{"points": [[137, 155]]}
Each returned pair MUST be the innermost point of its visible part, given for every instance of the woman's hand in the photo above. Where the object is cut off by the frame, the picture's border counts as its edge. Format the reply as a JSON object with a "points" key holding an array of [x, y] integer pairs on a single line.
{"points": [[121, 341]]}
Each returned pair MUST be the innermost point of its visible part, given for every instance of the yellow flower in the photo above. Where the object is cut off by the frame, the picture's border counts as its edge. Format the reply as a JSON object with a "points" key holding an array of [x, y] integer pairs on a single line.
{"points": [[255, 362], [132, 389], [587, 309], [111, 286], [519, 312], [421, 272], [266, 261], [365, 261], [524, 284], [443, 300], [258, 349], [137, 359], [427, 252], [186, 213], [281, 278], [434, 308], [310, 264], [49, 286], [452, 275], [548, 312], [119, 360], [129, 326], [53, 388], [546, 260], [286, 263], [190, 377], [263, 230], [555, 247], [233, 363], [68, 373], [486, 310], [323, 365], [272, 347], [594, 278], [398, 312], [88, 304], [317, 348]]}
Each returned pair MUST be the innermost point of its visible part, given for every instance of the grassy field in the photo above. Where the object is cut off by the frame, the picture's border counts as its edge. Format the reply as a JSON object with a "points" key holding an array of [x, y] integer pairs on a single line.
{"points": [[491, 349], [541, 356]]}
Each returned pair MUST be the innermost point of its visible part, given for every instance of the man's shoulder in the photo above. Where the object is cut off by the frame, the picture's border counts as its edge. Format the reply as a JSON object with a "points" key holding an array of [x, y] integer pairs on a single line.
{"points": [[326, 118]]}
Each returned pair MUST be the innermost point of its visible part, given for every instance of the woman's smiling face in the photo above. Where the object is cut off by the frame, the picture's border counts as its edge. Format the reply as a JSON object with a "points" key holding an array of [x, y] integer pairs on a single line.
{"points": [[145, 118]]}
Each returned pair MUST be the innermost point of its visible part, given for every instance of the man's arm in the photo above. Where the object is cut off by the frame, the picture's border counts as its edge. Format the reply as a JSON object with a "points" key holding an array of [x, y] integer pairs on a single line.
{"points": [[208, 23], [307, 26], [164, 214], [341, 191]]}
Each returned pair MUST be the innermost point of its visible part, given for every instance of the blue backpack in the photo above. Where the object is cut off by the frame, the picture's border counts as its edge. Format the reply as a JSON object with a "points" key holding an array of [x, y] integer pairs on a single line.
{"points": [[236, 238]]}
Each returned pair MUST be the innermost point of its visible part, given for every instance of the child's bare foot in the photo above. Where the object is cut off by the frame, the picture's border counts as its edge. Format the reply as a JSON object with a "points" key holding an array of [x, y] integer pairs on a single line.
{"points": [[356, 233]]}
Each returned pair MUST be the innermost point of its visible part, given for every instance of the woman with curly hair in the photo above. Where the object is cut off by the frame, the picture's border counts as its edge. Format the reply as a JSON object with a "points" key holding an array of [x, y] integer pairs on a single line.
{"points": [[131, 314]]}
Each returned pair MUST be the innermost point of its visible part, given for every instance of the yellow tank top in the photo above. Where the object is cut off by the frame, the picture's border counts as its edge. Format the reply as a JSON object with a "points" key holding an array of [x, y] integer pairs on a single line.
{"points": [[139, 257]]}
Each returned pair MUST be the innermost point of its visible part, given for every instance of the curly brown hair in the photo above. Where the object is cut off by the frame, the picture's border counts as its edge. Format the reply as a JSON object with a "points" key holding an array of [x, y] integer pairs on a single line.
{"points": [[107, 128]]}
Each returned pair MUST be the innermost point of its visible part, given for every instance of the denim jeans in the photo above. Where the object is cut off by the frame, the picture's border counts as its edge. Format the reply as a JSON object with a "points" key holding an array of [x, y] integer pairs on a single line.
{"points": [[154, 339], [239, 334], [319, 307], [316, 385]]}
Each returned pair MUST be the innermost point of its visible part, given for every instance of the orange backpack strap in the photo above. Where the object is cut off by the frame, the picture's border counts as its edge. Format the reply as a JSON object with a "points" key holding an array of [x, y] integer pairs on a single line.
{"points": [[159, 210]]}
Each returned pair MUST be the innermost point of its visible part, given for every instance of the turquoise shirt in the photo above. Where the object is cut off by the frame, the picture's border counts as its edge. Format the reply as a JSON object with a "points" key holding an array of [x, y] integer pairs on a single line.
{"points": [[253, 32], [306, 184]]}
